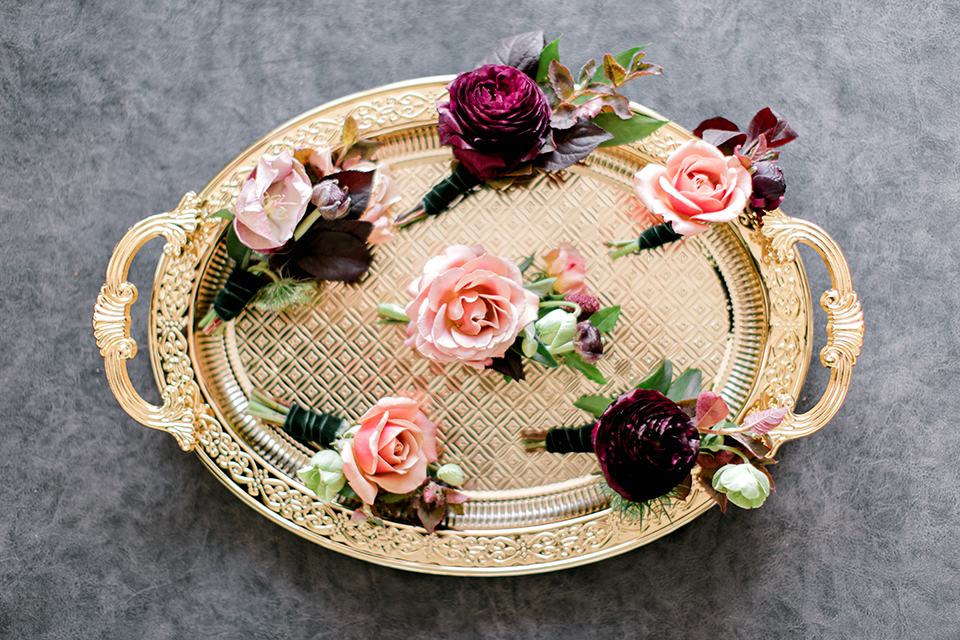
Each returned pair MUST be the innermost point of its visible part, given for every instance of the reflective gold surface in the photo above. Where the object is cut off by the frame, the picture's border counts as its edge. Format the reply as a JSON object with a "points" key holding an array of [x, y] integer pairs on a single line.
{"points": [[733, 302]]}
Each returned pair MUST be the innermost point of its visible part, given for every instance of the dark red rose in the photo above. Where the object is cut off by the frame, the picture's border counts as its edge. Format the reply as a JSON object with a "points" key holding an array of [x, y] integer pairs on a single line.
{"points": [[646, 445], [768, 186], [497, 119]]}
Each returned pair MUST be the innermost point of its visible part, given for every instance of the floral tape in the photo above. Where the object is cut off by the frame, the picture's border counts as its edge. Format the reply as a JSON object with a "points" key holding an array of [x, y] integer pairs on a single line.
{"points": [[446, 191], [573, 440], [312, 426], [239, 290]]}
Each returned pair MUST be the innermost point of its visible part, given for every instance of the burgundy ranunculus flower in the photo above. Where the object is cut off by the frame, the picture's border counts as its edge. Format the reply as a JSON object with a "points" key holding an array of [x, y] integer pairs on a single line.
{"points": [[497, 119], [768, 186], [646, 445]]}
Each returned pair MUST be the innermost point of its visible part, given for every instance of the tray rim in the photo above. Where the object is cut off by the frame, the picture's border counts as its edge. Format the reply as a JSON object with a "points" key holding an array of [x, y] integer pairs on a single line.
{"points": [[196, 206]]}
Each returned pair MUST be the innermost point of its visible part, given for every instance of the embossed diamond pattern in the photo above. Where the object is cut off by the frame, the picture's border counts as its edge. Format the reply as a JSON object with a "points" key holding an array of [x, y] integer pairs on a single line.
{"points": [[334, 356]]}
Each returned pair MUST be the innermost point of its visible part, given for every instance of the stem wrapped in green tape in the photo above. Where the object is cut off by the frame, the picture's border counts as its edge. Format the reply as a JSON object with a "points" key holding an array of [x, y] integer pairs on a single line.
{"points": [[313, 426], [657, 236], [571, 439], [238, 291], [441, 196]]}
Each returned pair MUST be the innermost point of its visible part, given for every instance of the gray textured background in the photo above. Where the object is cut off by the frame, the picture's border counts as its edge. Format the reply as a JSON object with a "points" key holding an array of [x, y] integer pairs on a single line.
{"points": [[109, 112]]}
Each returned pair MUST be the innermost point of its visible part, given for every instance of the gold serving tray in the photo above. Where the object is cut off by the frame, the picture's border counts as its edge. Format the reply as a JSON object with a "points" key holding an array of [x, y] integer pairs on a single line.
{"points": [[733, 301]]}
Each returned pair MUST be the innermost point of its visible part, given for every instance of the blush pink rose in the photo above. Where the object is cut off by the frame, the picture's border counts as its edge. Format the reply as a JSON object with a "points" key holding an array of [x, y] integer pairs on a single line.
{"points": [[391, 449], [698, 185], [271, 202], [566, 265], [469, 306]]}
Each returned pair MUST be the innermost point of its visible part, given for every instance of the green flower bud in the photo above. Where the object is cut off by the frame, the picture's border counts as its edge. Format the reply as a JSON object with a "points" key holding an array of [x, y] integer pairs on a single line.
{"points": [[324, 474], [557, 330], [745, 485], [452, 474]]}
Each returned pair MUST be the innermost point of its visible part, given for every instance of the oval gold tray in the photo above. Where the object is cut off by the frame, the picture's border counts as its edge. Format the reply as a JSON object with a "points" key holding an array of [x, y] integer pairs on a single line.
{"points": [[732, 301]]}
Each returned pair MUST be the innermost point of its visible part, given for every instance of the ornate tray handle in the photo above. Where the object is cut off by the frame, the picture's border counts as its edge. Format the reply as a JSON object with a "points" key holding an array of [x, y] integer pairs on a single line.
{"points": [[844, 320], [111, 325]]}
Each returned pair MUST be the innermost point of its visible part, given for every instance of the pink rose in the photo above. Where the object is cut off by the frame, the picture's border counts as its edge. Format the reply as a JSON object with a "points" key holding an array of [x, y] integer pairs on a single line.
{"points": [[271, 202], [384, 193], [566, 265], [698, 185], [391, 449], [469, 306]]}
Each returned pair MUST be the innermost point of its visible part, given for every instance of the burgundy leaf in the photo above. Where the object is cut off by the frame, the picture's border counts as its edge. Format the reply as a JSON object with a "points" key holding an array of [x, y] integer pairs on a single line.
{"points": [[714, 460], [521, 52], [711, 409], [586, 72], [572, 145], [762, 422], [706, 481], [431, 513], [357, 184], [770, 124], [719, 124], [561, 80], [753, 447], [331, 250], [619, 104], [564, 116]]}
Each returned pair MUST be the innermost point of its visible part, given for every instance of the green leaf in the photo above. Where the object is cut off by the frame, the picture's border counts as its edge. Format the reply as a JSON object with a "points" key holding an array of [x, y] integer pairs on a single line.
{"points": [[593, 404], [390, 498], [549, 53], [541, 287], [223, 214], [588, 370], [686, 386], [623, 59], [527, 262], [543, 356], [625, 131], [606, 319], [660, 379], [236, 249], [613, 71]]}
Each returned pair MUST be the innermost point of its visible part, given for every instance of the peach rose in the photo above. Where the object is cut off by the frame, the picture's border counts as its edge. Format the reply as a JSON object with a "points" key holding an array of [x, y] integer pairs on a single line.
{"points": [[469, 306], [698, 185], [271, 202], [566, 265], [384, 193], [390, 450]]}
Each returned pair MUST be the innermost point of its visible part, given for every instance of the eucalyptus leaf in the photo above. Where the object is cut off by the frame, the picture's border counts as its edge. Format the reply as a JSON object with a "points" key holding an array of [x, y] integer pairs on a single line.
{"points": [[606, 319], [550, 52], [588, 370], [594, 404], [686, 386], [639, 126], [660, 379]]}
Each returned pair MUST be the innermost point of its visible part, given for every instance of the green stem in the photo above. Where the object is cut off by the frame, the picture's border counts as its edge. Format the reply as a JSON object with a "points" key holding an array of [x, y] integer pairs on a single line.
{"points": [[724, 447], [263, 269], [626, 248], [392, 311]]}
